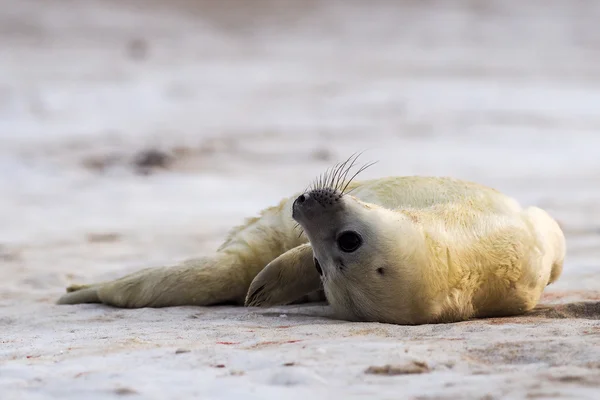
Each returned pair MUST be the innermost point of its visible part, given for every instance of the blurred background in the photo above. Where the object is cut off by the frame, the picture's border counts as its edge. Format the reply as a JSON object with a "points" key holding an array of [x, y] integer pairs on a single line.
{"points": [[137, 132]]}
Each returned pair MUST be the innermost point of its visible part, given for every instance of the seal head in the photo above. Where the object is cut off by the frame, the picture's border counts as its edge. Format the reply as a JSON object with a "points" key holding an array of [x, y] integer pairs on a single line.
{"points": [[357, 255]]}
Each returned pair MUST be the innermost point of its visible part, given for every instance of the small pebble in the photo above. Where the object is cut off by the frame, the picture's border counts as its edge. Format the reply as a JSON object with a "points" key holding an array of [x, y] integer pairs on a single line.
{"points": [[124, 391], [413, 367]]}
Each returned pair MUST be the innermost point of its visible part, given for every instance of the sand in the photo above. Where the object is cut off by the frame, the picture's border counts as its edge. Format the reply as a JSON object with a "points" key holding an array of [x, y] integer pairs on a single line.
{"points": [[242, 105]]}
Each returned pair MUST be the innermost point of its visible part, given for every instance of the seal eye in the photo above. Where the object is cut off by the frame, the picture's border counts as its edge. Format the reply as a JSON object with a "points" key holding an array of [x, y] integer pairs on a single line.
{"points": [[349, 241], [318, 267]]}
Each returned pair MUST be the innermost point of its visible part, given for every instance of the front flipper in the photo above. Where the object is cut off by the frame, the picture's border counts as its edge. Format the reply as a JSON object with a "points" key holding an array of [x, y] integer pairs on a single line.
{"points": [[286, 279], [200, 282]]}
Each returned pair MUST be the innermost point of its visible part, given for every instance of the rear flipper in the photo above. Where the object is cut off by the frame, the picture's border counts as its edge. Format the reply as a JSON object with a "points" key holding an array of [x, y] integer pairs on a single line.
{"points": [[77, 294], [222, 278], [290, 278], [201, 282], [553, 240]]}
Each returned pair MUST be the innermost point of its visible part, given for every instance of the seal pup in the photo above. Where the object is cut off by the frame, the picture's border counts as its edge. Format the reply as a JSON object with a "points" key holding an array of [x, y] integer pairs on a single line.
{"points": [[443, 263], [297, 271]]}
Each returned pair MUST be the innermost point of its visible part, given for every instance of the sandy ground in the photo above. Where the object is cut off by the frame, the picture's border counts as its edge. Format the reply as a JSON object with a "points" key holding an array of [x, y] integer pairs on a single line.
{"points": [[249, 101]]}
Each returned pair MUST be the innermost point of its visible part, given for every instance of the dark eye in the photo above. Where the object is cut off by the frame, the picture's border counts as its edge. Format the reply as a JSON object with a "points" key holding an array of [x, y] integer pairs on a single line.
{"points": [[349, 241]]}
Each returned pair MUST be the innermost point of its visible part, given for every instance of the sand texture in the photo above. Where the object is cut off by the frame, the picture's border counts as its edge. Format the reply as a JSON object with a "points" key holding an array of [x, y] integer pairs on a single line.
{"points": [[135, 133]]}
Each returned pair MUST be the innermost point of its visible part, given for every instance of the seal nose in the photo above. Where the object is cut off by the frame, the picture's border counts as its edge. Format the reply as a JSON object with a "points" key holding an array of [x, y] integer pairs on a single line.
{"points": [[302, 204], [301, 199], [319, 197]]}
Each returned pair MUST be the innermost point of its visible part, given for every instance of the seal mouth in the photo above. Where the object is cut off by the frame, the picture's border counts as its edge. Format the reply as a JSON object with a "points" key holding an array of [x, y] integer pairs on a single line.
{"points": [[318, 267]]}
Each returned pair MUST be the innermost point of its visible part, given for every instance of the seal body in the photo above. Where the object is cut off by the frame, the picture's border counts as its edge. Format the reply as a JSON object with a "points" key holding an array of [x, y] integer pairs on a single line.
{"points": [[428, 249], [476, 257]]}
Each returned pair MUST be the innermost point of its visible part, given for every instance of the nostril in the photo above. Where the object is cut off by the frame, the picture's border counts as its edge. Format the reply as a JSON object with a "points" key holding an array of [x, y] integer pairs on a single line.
{"points": [[301, 199]]}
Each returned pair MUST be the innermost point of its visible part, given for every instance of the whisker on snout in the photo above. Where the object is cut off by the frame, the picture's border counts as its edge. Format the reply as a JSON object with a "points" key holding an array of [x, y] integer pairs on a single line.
{"points": [[335, 179]]}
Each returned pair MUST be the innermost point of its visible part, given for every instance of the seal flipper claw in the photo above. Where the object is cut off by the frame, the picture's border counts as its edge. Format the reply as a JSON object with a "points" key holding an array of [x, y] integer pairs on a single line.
{"points": [[255, 297]]}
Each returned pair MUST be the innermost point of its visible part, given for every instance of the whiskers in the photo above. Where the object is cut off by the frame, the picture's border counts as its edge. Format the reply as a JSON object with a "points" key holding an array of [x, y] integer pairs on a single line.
{"points": [[298, 227], [336, 178]]}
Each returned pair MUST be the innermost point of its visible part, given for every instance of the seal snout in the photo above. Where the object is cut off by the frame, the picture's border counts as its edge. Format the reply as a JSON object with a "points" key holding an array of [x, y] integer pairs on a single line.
{"points": [[314, 202], [300, 204]]}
